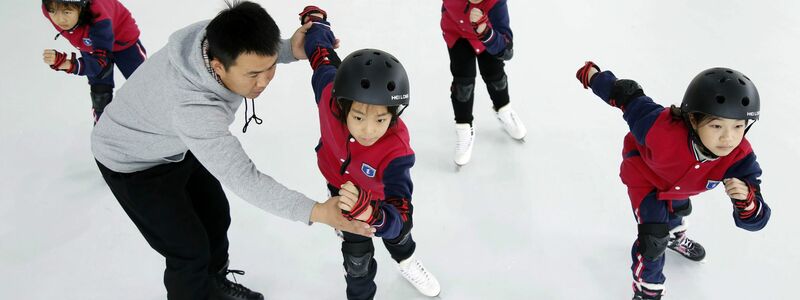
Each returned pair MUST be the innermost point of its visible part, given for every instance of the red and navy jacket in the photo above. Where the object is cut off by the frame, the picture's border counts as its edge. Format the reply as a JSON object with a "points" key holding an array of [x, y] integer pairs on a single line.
{"points": [[658, 154], [382, 168], [456, 25], [112, 29]]}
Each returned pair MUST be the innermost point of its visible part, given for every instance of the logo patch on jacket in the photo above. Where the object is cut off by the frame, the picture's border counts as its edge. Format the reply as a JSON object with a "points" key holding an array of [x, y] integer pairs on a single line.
{"points": [[368, 170], [711, 184], [87, 42]]}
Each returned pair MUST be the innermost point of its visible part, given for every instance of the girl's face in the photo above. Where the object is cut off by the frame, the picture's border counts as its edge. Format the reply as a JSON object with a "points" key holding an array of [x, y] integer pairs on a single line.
{"points": [[720, 135], [367, 123], [65, 17]]}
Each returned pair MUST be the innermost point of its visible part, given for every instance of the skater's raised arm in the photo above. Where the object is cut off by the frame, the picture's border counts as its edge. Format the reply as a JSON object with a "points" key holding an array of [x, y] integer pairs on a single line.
{"points": [[319, 47], [639, 110]]}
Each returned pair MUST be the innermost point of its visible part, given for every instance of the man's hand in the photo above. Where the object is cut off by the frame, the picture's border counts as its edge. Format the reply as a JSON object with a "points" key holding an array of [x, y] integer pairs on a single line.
{"points": [[330, 214]]}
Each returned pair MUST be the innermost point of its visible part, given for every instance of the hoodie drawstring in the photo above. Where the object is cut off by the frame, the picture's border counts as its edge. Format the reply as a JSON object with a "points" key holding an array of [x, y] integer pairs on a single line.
{"points": [[252, 117]]}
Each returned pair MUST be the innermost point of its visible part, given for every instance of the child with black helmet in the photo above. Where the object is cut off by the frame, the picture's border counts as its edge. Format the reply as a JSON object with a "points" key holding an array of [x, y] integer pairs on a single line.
{"points": [[478, 30], [364, 153], [671, 154], [105, 33]]}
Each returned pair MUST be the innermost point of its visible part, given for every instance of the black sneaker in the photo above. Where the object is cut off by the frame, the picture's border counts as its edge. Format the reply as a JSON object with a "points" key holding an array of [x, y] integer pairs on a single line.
{"points": [[643, 293], [224, 289], [686, 247]]}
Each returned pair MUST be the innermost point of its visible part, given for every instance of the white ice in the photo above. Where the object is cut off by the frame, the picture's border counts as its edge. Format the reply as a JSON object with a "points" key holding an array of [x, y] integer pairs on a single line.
{"points": [[548, 219]]}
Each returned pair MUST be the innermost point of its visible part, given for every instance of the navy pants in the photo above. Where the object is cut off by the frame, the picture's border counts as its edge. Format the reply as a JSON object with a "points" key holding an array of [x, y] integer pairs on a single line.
{"points": [[654, 211]]}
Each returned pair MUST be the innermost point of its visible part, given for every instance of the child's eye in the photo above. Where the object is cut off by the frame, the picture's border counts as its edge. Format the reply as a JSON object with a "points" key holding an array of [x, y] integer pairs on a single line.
{"points": [[381, 120], [716, 126], [357, 118]]}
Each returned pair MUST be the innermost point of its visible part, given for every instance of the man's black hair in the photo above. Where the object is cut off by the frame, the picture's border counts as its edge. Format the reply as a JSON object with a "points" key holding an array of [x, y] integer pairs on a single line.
{"points": [[244, 27]]}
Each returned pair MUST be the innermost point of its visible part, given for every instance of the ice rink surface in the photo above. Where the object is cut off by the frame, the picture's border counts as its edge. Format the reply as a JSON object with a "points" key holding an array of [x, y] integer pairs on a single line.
{"points": [[548, 219]]}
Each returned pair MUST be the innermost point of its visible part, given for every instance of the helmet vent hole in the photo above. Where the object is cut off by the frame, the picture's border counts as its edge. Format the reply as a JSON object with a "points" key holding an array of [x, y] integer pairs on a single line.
{"points": [[729, 71], [741, 82], [369, 62], [723, 79], [376, 53], [390, 86], [357, 55], [745, 101], [365, 83], [388, 65], [395, 60], [720, 99], [748, 78], [710, 73]]}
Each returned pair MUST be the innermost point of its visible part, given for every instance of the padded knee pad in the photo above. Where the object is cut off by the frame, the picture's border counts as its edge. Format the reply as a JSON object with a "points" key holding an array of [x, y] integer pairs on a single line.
{"points": [[357, 257], [498, 85], [357, 265], [101, 96], [683, 211], [653, 240], [462, 89]]}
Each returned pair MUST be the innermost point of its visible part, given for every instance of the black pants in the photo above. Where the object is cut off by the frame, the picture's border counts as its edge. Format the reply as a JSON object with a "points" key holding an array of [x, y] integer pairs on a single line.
{"points": [[359, 262], [462, 66], [182, 212]]}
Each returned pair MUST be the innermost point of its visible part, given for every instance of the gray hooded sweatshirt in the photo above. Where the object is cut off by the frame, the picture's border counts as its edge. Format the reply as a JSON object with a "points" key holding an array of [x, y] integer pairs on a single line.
{"points": [[171, 105]]}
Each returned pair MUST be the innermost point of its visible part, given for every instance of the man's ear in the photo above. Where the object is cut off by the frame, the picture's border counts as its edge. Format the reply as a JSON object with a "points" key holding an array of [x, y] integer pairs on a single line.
{"points": [[217, 66]]}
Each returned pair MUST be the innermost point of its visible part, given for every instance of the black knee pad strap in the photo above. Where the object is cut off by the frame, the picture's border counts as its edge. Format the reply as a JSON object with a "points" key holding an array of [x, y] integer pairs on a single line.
{"points": [[653, 240]]}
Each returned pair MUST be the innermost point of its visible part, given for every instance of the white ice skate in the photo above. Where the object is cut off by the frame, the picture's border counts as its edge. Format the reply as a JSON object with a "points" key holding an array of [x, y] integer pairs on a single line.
{"points": [[511, 123], [413, 271], [465, 139]]}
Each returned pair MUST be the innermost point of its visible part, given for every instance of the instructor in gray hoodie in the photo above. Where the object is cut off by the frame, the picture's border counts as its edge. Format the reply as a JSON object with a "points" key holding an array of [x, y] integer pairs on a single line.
{"points": [[163, 147]]}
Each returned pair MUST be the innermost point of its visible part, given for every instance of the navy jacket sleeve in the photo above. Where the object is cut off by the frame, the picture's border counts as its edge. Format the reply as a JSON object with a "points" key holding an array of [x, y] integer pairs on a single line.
{"points": [[319, 37], [640, 113], [500, 35], [398, 188], [748, 170], [98, 62]]}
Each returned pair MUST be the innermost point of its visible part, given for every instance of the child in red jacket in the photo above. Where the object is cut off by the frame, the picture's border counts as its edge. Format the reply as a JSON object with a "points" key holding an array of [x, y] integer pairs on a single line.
{"points": [[478, 30], [364, 153], [105, 34], [674, 153]]}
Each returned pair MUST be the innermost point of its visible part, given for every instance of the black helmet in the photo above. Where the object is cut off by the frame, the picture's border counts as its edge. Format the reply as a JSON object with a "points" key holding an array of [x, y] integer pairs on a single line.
{"points": [[81, 3], [372, 76], [722, 92]]}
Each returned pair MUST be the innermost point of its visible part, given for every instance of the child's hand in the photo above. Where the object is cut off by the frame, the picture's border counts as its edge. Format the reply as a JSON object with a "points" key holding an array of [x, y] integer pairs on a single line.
{"points": [[349, 196], [58, 60], [49, 56], [478, 20], [586, 72], [357, 204], [312, 13], [736, 189]]}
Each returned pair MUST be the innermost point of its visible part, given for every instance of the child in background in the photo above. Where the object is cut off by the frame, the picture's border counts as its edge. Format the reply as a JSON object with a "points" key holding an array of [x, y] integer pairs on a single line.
{"points": [[364, 153], [671, 154], [478, 29], [105, 34]]}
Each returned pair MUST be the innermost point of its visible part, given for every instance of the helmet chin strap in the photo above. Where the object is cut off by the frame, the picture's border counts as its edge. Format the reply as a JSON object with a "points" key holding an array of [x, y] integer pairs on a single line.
{"points": [[746, 129], [696, 139]]}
